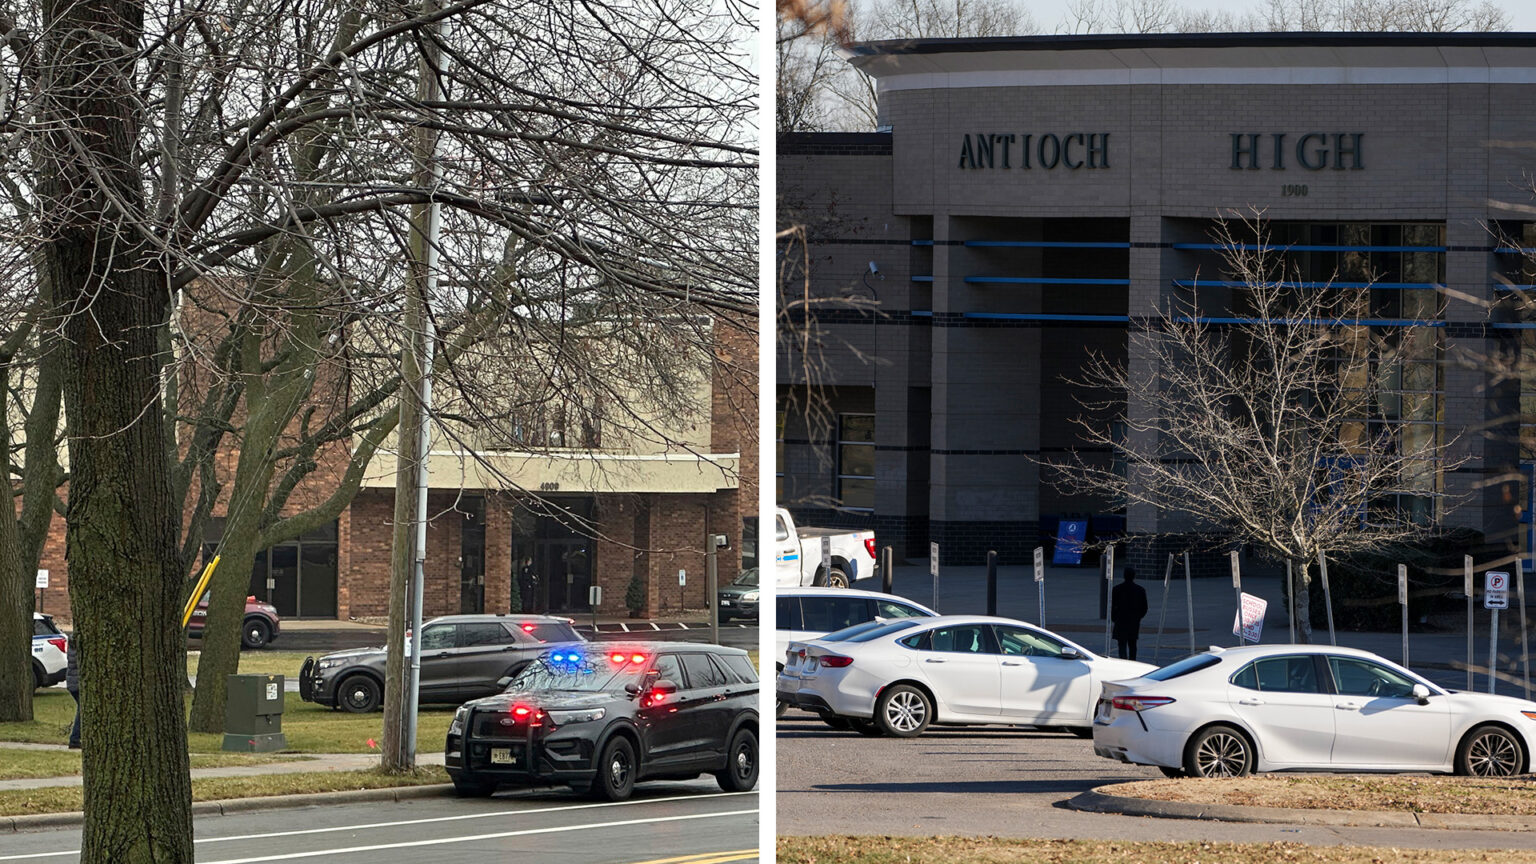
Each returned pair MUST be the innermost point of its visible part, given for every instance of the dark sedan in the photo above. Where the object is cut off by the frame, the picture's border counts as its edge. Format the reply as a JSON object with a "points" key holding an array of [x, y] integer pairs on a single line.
{"points": [[739, 599], [599, 719], [462, 657]]}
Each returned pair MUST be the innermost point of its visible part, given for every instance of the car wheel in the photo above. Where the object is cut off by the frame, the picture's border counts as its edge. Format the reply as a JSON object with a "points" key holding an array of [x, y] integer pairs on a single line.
{"points": [[903, 711], [1489, 751], [740, 772], [836, 578], [37, 675], [615, 771], [1220, 751], [465, 787], [1172, 773], [357, 694], [779, 708], [866, 727], [256, 634], [836, 722]]}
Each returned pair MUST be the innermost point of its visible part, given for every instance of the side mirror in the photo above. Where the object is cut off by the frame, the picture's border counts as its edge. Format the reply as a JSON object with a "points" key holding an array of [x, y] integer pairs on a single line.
{"points": [[663, 687], [632, 689], [1070, 653], [503, 681], [1421, 693]]}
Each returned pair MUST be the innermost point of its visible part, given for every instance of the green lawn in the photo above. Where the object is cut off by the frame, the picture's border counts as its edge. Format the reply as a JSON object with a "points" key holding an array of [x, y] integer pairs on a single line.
{"points": [[67, 799], [309, 728], [24, 764]]}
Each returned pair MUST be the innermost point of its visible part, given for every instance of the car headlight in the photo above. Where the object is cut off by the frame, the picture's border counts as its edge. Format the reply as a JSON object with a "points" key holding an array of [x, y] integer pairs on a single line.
{"points": [[327, 664], [457, 726], [585, 715], [749, 597]]}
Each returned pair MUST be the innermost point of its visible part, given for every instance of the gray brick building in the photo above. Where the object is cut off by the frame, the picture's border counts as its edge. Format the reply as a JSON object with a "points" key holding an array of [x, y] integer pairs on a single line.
{"points": [[1027, 200]]}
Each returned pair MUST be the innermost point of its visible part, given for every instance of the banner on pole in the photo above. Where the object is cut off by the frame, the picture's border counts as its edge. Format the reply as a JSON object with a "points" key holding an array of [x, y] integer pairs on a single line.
{"points": [[1248, 623], [1069, 542]]}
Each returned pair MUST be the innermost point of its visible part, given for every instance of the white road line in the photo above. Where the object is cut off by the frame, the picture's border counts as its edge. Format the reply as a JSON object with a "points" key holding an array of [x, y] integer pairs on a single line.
{"points": [[368, 826], [682, 625], [410, 844]]}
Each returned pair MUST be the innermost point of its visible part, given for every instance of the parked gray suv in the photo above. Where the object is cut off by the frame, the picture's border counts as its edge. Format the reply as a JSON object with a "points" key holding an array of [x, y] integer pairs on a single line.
{"points": [[462, 658]]}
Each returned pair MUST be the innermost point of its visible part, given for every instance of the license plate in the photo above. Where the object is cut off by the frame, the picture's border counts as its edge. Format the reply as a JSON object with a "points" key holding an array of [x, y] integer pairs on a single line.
{"points": [[503, 756], [724, 602]]}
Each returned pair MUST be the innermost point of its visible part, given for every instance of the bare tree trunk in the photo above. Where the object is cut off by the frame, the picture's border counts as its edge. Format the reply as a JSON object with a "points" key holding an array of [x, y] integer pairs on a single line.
{"points": [[16, 680], [125, 580]]}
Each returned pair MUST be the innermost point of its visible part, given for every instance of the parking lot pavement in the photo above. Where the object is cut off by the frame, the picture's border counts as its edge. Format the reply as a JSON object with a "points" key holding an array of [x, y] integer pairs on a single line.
{"points": [[1011, 782], [680, 821]]}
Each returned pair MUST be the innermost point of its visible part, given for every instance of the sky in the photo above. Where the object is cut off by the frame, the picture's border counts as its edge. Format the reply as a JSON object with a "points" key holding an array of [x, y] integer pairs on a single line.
{"points": [[1048, 14]]}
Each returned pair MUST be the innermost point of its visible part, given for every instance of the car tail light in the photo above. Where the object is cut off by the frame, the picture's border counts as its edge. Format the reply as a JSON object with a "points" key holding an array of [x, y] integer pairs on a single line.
{"points": [[251, 598], [529, 628], [59, 642], [869, 546], [1139, 703], [835, 661]]}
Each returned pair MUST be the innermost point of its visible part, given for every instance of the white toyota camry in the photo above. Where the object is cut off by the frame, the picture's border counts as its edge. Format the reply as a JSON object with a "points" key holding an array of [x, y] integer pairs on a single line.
{"points": [[1227, 712], [900, 676]]}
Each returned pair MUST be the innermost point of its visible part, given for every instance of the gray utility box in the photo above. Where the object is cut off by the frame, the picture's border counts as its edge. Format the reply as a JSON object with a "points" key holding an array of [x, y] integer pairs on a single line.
{"points": [[253, 714]]}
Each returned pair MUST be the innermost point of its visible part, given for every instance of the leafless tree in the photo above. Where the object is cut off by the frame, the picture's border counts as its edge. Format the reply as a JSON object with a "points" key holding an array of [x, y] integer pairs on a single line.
{"points": [[818, 91], [1170, 16], [226, 199], [1261, 431]]}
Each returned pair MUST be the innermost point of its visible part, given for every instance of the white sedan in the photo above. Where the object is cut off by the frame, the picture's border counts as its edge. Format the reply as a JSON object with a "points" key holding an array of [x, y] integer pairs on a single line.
{"points": [[1309, 708], [900, 676]]}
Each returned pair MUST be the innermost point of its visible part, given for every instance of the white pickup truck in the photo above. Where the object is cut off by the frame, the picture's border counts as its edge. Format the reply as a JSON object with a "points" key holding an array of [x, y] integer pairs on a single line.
{"points": [[798, 558]]}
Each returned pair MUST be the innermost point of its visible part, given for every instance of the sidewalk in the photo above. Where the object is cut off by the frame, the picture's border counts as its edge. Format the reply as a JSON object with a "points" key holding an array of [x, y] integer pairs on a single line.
{"points": [[1072, 609], [313, 763]]}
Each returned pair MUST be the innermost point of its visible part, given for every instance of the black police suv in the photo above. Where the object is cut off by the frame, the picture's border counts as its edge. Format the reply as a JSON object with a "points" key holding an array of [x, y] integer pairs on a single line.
{"points": [[598, 718]]}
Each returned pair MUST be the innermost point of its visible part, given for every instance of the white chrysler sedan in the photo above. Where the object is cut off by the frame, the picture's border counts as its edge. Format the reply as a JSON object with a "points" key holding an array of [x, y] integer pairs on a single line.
{"points": [[1307, 708], [901, 676]]}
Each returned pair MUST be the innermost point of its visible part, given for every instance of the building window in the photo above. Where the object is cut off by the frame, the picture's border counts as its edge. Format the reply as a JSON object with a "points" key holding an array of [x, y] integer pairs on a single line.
{"points": [[856, 461]]}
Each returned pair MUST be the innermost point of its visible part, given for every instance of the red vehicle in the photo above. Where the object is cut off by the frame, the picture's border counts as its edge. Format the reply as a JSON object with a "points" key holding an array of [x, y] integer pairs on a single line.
{"points": [[260, 627]]}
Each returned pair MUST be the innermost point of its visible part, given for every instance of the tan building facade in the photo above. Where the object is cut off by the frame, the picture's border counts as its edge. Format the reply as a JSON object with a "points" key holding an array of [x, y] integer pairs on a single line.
{"points": [[1028, 200]]}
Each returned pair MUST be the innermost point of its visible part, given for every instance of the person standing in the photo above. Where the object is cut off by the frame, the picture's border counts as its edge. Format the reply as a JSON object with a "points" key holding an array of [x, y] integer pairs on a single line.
{"points": [[72, 684], [1129, 602]]}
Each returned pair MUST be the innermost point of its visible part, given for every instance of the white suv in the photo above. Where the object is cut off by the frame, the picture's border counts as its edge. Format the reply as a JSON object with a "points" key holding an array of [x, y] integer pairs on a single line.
{"points": [[49, 647], [809, 613]]}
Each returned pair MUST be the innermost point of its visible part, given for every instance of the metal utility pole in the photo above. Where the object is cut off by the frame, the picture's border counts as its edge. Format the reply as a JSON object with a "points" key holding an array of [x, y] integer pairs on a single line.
{"points": [[430, 67], [713, 543]]}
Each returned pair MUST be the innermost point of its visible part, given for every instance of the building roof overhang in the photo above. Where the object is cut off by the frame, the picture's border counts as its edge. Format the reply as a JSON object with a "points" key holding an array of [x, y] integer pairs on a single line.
{"points": [[1198, 58]]}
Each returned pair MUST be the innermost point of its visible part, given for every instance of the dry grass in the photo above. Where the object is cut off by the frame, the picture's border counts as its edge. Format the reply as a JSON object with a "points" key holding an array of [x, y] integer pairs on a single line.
{"points": [[989, 850], [31, 764], [66, 799], [1400, 793]]}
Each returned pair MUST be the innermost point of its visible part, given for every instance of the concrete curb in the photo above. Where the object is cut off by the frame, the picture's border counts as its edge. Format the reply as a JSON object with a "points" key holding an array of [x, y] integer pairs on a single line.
{"points": [[13, 824], [1104, 800]]}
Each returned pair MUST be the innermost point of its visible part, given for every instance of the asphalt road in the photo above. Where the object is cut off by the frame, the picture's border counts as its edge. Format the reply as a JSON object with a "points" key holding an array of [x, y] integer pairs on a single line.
{"points": [[679, 823], [994, 780]]}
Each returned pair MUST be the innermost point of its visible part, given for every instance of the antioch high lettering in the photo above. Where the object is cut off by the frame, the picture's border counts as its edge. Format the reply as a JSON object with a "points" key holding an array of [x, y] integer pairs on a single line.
{"points": [[1311, 151], [1072, 151]]}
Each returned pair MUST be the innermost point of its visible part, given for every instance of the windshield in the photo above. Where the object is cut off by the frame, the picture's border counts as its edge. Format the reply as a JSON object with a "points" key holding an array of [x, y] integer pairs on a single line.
{"points": [[747, 579], [1183, 667], [576, 671], [882, 628]]}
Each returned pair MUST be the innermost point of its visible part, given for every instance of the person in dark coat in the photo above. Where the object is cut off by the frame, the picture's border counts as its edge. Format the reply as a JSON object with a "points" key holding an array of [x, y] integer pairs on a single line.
{"points": [[72, 684], [1128, 604]]}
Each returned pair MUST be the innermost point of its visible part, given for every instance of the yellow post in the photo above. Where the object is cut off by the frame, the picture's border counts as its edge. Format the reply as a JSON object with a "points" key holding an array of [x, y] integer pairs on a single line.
{"points": [[197, 593]]}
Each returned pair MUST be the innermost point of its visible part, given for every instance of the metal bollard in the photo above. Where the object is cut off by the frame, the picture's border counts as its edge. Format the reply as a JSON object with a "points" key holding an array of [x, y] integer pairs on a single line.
{"points": [[886, 565], [991, 582]]}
